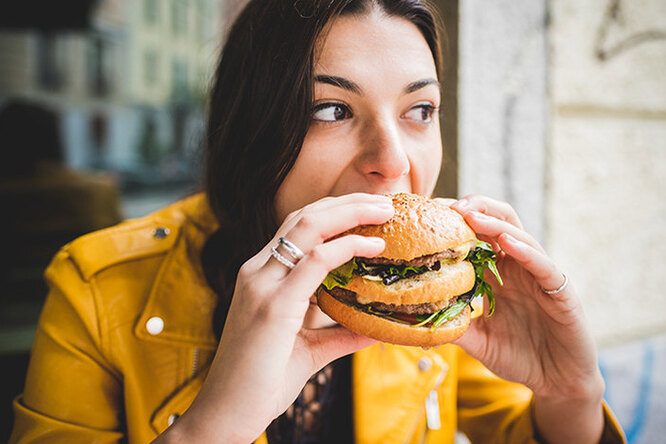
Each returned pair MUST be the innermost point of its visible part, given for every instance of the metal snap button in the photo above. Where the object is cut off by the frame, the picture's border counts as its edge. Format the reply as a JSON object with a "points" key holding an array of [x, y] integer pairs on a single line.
{"points": [[425, 363], [160, 232], [155, 325]]}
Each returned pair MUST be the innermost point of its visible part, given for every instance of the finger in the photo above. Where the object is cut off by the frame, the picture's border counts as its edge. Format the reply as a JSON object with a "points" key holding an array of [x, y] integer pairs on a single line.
{"points": [[563, 306], [329, 205], [491, 207], [326, 204], [445, 200], [328, 344], [490, 240], [541, 267], [474, 340], [330, 202], [309, 273], [315, 226], [490, 226], [449, 202], [290, 297]]}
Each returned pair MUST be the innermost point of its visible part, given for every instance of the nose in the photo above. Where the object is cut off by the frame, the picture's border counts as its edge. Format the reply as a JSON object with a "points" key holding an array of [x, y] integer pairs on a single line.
{"points": [[383, 155]]}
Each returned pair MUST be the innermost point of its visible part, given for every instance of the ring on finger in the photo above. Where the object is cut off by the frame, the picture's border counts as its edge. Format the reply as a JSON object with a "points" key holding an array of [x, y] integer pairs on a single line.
{"points": [[560, 288], [292, 249], [283, 260]]}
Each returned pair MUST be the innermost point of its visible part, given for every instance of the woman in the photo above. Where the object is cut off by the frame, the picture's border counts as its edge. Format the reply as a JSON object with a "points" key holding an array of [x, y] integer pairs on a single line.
{"points": [[311, 100]]}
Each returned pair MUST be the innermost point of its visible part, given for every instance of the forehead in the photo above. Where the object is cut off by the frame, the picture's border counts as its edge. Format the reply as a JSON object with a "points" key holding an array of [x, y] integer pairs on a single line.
{"points": [[355, 44]]}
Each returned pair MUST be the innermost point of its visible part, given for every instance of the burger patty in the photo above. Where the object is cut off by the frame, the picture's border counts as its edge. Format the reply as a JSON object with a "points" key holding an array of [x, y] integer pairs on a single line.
{"points": [[349, 297], [420, 261]]}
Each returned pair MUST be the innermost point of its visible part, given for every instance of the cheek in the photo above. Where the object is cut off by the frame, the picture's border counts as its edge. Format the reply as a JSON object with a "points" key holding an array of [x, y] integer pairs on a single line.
{"points": [[312, 177], [426, 163]]}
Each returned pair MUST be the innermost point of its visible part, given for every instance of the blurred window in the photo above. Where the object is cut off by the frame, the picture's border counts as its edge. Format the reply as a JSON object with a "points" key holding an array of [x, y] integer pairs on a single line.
{"points": [[51, 61], [178, 17], [106, 125], [100, 66], [180, 88], [202, 78], [150, 61], [202, 22], [151, 12]]}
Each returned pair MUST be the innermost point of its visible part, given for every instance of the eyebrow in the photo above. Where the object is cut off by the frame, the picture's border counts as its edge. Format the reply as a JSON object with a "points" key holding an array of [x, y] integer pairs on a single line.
{"points": [[348, 85], [415, 86], [340, 82]]}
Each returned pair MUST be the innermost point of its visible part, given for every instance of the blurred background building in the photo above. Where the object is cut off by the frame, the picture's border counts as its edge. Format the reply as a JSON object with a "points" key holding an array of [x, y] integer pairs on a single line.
{"points": [[558, 107], [128, 87], [116, 89]]}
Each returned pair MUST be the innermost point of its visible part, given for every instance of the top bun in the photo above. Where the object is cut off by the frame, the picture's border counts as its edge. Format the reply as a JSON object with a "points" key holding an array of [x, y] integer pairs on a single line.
{"points": [[419, 227]]}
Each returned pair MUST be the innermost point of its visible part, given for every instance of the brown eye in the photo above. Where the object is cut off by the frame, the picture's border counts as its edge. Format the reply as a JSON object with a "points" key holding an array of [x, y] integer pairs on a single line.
{"points": [[331, 112], [422, 112]]}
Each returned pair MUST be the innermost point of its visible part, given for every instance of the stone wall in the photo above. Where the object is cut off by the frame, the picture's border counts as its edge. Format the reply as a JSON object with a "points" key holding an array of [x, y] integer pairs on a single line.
{"points": [[502, 111], [606, 183], [563, 113]]}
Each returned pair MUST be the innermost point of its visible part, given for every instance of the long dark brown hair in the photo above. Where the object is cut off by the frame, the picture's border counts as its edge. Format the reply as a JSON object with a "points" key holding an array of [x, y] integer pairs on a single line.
{"points": [[259, 113]]}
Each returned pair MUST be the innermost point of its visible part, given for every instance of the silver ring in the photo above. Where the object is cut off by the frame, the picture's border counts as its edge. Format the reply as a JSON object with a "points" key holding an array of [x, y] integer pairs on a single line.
{"points": [[292, 249], [561, 287], [283, 260]]}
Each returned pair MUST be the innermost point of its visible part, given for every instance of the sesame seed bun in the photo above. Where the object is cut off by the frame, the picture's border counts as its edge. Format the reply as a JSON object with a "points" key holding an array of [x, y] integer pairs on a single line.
{"points": [[421, 228]]}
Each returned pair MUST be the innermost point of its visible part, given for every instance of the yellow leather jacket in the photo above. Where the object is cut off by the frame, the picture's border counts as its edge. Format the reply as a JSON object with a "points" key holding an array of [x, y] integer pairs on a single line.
{"points": [[124, 342]]}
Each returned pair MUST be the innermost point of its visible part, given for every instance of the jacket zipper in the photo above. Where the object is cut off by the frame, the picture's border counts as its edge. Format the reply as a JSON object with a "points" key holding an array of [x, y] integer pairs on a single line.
{"points": [[195, 362], [433, 419], [432, 411]]}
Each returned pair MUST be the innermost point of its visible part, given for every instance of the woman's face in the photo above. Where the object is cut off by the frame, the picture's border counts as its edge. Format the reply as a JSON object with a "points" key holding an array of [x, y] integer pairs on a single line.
{"points": [[374, 127]]}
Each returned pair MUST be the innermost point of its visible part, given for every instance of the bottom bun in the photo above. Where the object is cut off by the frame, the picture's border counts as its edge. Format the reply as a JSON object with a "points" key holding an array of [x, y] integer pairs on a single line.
{"points": [[385, 330]]}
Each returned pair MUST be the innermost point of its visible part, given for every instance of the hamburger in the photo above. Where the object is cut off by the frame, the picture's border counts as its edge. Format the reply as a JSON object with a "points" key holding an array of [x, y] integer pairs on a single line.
{"points": [[421, 290]]}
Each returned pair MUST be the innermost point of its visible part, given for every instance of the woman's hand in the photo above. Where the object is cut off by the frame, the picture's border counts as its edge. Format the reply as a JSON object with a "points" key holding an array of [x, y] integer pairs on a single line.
{"points": [[540, 340], [266, 356]]}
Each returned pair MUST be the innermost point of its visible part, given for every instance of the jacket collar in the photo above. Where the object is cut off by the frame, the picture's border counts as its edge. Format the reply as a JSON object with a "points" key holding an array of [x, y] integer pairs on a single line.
{"points": [[180, 296]]}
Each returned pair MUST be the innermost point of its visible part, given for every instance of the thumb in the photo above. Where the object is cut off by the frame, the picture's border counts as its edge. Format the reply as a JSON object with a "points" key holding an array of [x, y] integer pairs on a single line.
{"points": [[328, 344], [474, 341], [445, 200]]}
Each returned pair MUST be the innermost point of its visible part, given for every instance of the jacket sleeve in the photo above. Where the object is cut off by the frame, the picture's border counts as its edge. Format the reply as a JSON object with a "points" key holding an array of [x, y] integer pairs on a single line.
{"points": [[492, 410], [72, 393]]}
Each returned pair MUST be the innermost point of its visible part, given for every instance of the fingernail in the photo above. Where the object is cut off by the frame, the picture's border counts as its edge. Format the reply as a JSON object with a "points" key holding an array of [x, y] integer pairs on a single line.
{"points": [[461, 204], [508, 238], [375, 240], [515, 243], [385, 206], [478, 215]]}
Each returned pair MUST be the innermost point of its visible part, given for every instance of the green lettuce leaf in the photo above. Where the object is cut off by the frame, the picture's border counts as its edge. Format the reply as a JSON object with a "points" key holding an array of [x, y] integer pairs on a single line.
{"points": [[341, 276], [484, 257], [451, 312], [402, 270]]}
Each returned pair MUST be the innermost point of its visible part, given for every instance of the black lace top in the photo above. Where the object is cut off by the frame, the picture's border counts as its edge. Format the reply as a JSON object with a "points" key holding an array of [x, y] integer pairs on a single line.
{"points": [[322, 413]]}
